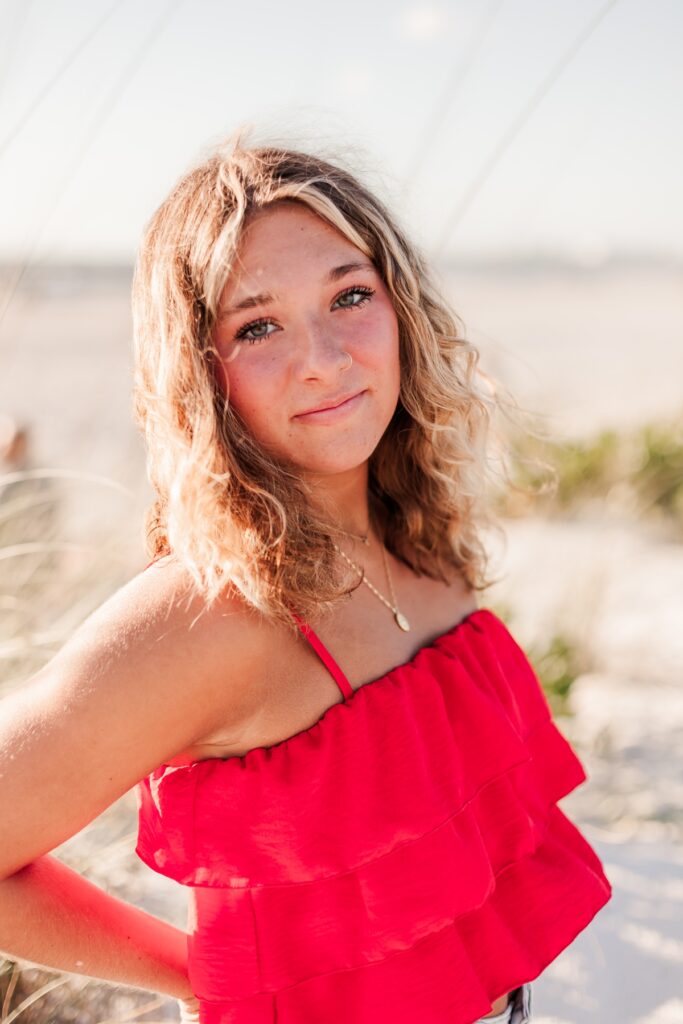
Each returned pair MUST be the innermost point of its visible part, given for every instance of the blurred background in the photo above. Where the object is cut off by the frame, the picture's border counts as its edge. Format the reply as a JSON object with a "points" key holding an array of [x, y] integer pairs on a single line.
{"points": [[533, 152]]}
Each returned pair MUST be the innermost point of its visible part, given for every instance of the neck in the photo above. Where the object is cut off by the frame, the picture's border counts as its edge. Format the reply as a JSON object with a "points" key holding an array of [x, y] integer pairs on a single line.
{"points": [[345, 502]]}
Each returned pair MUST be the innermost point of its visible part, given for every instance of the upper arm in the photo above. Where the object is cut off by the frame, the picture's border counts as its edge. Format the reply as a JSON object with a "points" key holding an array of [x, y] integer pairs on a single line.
{"points": [[141, 679]]}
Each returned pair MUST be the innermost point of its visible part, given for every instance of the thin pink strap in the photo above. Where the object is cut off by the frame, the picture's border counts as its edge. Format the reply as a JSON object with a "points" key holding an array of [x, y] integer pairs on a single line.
{"points": [[325, 656]]}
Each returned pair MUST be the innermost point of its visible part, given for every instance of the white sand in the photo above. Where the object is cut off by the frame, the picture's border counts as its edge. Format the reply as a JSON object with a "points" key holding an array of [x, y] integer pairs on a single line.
{"points": [[622, 594]]}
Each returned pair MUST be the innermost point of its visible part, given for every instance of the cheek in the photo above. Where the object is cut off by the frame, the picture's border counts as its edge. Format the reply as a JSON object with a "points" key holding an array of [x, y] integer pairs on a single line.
{"points": [[253, 385], [376, 337], [384, 351]]}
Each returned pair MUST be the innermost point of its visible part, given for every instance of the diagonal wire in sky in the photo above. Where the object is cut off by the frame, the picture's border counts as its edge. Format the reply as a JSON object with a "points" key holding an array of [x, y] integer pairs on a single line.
{"points": [[99, 120], [456, 216], [52, 81], [448, 95]]}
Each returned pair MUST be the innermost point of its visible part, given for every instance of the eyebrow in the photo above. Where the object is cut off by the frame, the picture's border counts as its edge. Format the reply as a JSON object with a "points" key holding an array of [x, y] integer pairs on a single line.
{"points": [[335, 274]]}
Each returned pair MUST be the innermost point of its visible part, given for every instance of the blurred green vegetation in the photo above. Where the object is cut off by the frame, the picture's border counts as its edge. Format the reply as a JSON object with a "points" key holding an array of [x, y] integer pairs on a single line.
{"points": [[632, 474], [561, 661], [636, 473]]}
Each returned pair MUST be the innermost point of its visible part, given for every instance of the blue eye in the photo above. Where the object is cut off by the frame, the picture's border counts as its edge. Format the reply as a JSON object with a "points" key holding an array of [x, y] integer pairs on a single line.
{"points": [[254, 325], [361, 290], [244, 332]]}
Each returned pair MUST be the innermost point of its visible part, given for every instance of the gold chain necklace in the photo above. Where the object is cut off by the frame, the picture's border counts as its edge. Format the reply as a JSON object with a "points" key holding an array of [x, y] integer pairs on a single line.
{"points": [[401, 620]]}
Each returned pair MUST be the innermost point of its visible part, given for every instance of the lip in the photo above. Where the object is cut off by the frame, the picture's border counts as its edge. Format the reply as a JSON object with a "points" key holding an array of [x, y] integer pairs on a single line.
{"points": [[332, 411]]}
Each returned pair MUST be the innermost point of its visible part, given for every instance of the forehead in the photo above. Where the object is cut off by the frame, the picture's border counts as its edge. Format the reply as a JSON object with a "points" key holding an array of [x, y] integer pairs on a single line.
{"points": [[289, 226], [283, 242]]}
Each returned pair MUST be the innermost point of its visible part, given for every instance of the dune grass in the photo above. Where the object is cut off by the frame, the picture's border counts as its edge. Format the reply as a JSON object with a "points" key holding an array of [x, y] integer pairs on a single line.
{"points": [[637, 474], [50, 583]]}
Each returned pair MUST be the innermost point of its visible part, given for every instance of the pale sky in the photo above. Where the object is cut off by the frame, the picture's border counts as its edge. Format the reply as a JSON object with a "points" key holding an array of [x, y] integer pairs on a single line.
{"points": [[595, 170]]}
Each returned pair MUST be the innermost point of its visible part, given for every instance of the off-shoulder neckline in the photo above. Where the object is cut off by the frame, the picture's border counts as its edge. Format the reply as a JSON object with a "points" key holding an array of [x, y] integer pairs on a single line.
{"points": [[265, 752]]}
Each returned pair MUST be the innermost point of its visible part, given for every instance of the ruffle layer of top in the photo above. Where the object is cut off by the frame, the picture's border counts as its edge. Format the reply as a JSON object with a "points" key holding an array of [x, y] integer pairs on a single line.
{"points": [[538, 906], [400, 840]]}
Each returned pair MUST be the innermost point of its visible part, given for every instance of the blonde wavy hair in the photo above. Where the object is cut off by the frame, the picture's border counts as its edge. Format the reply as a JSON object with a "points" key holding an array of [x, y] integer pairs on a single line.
{"points": [[231, 512]]}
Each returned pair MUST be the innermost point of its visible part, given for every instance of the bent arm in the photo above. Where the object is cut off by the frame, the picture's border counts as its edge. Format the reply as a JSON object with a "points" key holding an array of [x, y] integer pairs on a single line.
{"points": [[143, 678], [53, 917]]}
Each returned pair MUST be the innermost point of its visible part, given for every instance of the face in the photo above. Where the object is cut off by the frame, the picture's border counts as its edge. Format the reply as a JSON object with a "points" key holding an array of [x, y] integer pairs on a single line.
{"points": [[300, 329]]}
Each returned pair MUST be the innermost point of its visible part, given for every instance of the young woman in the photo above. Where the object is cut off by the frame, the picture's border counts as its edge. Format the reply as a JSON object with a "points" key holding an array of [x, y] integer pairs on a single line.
{"points": [[347, 760]]}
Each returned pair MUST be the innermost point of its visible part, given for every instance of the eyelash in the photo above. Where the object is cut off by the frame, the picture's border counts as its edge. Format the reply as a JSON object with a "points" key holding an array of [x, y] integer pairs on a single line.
{"points": [[361, 289]]}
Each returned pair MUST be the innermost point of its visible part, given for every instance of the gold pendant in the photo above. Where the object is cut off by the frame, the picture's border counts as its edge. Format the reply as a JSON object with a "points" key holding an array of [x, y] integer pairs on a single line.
{"points": [[402, 621]]}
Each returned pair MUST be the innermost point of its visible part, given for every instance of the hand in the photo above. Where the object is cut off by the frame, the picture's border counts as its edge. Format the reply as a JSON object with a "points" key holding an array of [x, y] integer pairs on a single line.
{"points": [[189, 1010]]}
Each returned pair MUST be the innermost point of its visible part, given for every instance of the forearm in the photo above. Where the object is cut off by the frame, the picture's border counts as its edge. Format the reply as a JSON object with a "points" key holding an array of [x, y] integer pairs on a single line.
{"points": [[53, 917]]}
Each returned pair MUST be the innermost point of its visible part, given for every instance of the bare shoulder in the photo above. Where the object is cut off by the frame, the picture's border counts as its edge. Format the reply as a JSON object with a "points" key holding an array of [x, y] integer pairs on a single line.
{"points": [[158, 618], [147, 674], [164, 596]]}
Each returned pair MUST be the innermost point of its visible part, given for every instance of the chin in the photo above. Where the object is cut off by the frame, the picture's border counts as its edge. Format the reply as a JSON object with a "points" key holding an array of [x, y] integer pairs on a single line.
{"points": [[329, 455], [333, 463]]}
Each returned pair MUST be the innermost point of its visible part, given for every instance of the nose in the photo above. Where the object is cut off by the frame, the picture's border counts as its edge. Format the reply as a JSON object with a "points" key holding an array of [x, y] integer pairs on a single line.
{"points": [[321, 352]]}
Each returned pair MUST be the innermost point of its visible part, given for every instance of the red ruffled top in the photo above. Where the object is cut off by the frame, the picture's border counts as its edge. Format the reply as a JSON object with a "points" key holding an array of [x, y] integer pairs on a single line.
{"points": [[403, 859]]}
